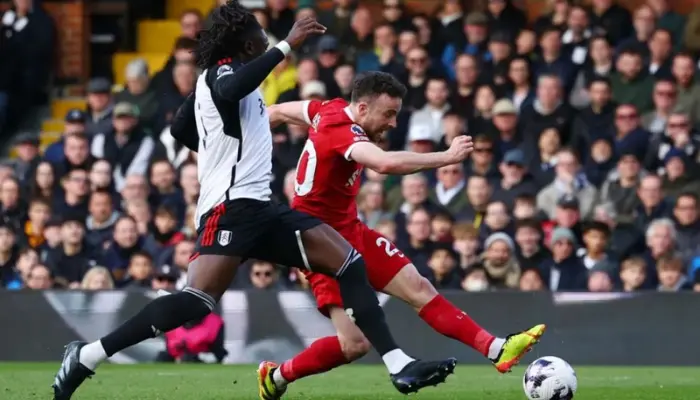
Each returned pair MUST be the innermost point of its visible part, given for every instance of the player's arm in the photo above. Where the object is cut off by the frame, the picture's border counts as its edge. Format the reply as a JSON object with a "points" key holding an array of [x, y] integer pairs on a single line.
{"points": [[184, 126], [406, 162], [235, 85], [291, 113]]}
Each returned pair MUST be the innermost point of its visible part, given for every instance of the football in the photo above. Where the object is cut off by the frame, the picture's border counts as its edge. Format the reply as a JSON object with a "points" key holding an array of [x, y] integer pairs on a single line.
{"points": [[550, 378]]}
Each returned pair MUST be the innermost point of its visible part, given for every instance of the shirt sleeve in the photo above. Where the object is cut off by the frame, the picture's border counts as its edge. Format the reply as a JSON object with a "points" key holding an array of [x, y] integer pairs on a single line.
{"points": [[345, 137], [184, 126], [311, 109], [235, 85]]}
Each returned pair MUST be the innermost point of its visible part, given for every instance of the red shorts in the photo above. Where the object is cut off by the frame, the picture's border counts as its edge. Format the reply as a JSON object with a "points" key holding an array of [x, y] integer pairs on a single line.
{"points": [[382, 258]]}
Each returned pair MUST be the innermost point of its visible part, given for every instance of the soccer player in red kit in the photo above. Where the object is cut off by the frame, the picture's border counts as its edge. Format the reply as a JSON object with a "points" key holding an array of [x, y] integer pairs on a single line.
{"points": [[341, 143]]}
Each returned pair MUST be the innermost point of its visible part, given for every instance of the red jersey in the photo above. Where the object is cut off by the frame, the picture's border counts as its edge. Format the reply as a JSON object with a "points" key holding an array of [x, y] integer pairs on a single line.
{"points": [[327, 180]]}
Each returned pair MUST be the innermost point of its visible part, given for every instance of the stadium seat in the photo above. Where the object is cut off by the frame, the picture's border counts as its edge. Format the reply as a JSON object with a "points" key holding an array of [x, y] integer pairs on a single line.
{"points": [[175, 8], [155, 62], [59, 107], [52, 125], [48, 138], [157, 36]]}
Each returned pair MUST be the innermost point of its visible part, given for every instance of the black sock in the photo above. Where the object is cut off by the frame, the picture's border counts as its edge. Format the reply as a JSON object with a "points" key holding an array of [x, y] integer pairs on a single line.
{"points": [[159, 316], [359, 296]]}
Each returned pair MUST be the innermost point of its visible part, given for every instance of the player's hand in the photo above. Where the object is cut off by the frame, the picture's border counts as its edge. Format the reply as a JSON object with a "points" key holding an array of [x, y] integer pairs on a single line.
{"points": [[302, 29], [460, 148]]}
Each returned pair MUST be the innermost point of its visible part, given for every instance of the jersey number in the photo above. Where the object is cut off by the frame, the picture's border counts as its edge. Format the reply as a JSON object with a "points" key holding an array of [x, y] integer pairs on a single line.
{"points": [[306, 170], [389, 247]]}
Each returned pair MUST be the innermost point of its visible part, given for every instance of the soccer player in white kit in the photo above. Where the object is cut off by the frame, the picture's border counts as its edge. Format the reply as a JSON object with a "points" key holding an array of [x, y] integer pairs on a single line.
{"points": [[226, 122]]}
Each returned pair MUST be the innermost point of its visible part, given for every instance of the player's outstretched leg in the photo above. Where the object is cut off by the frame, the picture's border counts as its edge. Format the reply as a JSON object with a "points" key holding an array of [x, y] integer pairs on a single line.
{"points": [[454, 323], [330, 254], [209, 277]]}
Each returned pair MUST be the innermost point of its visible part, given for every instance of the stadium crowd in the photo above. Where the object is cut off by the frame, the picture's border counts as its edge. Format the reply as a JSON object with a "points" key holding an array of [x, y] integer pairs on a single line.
{"points": [[584, 175]]}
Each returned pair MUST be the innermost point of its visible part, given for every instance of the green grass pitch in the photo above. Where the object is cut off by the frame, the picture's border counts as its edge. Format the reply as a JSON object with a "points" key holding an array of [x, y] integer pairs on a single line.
{"points": [[20, 381]]}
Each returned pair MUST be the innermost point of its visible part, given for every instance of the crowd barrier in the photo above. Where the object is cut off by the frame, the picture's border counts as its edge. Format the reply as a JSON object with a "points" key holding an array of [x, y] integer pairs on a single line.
{"points": [[584, 328]]}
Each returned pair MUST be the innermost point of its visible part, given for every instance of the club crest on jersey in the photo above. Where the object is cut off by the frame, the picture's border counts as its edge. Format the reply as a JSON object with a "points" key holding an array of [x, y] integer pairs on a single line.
{"points": [[316, 121], [356, 130], [224, 70], [224, 237]]}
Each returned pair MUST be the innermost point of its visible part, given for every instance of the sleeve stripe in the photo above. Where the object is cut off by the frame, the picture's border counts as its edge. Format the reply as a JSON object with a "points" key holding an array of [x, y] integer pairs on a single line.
{"points": [[305, 111], [349, 151]]}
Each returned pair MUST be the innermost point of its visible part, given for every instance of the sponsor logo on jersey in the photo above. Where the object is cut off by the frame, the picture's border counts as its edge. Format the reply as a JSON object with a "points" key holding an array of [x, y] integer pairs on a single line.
{"points": [[356, 130], [224, 70], [353, 177], [224, 237], [316, 121]]}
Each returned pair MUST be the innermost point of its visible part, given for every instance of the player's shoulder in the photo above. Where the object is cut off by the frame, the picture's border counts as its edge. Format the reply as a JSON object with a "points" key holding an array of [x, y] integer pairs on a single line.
{"points": [[221, 69]]}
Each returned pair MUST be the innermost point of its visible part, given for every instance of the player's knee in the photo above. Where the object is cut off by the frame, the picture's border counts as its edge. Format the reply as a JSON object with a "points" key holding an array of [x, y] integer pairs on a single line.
{"points": [[355, 347]]}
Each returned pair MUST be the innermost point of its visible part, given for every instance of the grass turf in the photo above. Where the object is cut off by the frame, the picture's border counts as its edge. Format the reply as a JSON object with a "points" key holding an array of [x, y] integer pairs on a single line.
{"points": [[20, 381]]}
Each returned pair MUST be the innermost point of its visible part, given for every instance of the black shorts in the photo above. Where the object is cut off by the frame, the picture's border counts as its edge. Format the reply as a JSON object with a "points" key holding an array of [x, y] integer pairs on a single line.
{"points": [[249, 228]]}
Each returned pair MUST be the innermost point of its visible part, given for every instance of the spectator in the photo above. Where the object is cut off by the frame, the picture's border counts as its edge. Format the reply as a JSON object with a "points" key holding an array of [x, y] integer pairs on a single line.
{"points": [[441, 228], [140, 271], [661, 243], [453, 125], [479, 192], [595, 255], [191, 23], [14, 209], [516, 180], [166, 193], [671, 275], [644, 25], [665, 95], [184, 77], [129, 149], [100, 105], [264, 275], [531, 281], [74, 124], [476, 31], [600, 161], [139, 92], [101, 176], [101, 218], [660, 54], [97, 278], [344, 77], [442, 263], [633, 274], [481, 119], [449, 191], [575, 38], [568, 181], [140, 211], [685, 216], [542, 163], [10, 274], [526, 44], [430, 116], [337, 19], [40, 278], [679, 135], [505, 120], [329, 58], [475, 280], [630, 85], [619, 191], [554, 61], [189, 183], [467, 70], [124, 243], [165, 278], [74, 201], [28, 157], [496, 219], [629, 135], [600, 65], [653, 205], [555, 15], [418, 247], [599, 281], [669, 20], [496, 69], [528, 236], [73, 258], [549, 110], [76, 155], [281, 17], [612, 19], [39, 213], [677, 177], [499, 261], [44, 183], [522, 93], [565, 271], [416, 76], [505, 17], [683, 70], [466, 244], [370, 204]]}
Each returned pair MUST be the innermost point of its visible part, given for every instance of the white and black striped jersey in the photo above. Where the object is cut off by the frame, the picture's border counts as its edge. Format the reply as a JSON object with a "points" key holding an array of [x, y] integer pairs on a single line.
{"points": [[233, 138]]}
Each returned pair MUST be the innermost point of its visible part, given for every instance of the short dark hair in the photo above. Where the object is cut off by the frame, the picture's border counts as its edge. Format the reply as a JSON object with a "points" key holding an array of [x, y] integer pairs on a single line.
{"points": [[599, 79], [596, 226], [630, 50], [374, 84], [185, 43], [688, 194], [531, 223], [193, 11]]}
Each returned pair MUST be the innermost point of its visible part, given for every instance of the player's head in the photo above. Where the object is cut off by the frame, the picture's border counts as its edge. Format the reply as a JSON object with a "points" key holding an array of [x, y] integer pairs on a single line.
{"points": [[234, 33], [376, 99]]}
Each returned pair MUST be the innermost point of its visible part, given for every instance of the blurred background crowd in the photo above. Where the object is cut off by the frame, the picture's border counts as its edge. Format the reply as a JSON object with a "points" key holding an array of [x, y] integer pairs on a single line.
{"points": [[584, 175]]}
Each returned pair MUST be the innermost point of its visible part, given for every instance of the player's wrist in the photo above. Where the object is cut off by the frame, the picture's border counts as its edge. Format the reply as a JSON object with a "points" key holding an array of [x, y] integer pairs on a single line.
{"points": [[284, 47]]}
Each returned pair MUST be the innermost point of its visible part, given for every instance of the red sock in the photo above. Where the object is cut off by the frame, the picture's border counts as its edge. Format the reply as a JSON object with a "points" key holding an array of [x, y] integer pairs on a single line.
{"points": [[323, 355], [454, 323]]}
